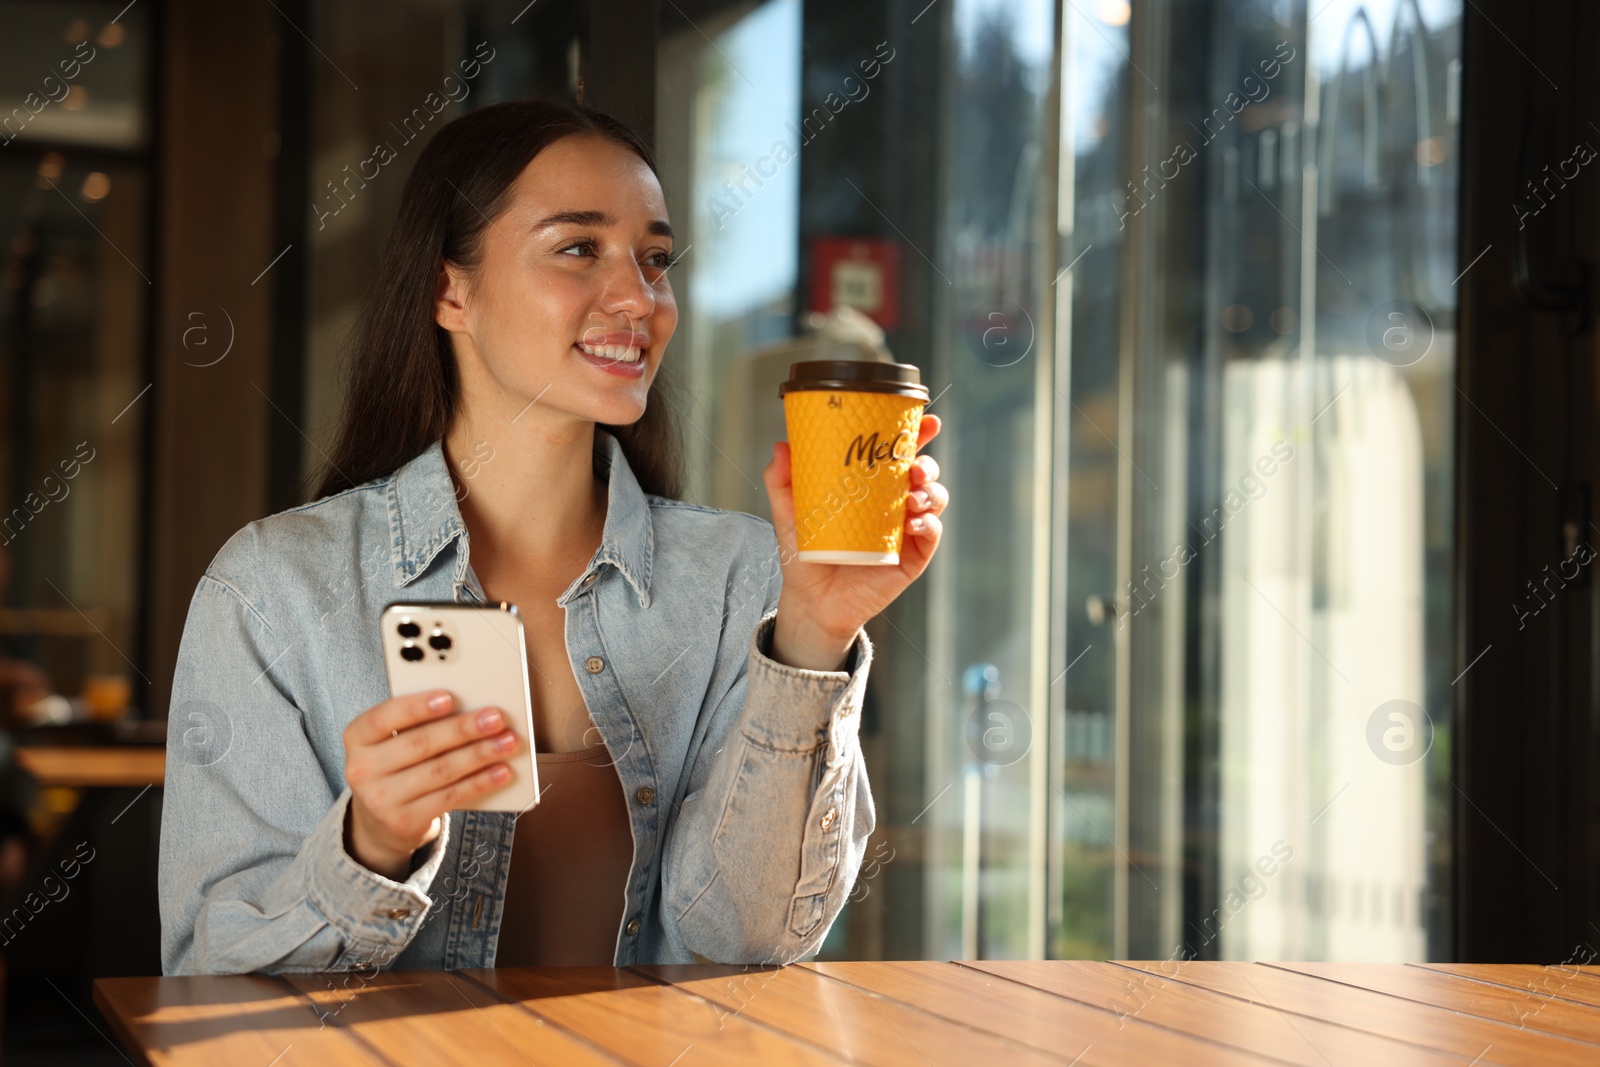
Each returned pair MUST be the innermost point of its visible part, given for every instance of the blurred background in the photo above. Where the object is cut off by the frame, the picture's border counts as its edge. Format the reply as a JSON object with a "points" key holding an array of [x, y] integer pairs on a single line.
{"points": [[1260, 330]]}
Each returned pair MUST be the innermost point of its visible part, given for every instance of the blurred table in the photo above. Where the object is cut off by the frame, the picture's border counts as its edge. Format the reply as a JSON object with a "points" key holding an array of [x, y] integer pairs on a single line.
{"points": [[1002, 1012], [84, 768]]}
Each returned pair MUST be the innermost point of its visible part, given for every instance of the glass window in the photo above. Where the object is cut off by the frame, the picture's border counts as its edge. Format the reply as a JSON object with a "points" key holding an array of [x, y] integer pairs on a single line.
{"points": [[1262, 358], [74, 287]]}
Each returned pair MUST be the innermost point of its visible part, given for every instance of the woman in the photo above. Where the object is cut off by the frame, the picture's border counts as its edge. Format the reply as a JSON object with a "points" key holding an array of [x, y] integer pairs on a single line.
{"points": [[696, 687]]}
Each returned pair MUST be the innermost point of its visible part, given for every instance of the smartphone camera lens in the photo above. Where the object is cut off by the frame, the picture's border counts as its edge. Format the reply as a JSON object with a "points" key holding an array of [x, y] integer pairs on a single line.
{"points": [[411, 653], [410, 629], [440, 641]]}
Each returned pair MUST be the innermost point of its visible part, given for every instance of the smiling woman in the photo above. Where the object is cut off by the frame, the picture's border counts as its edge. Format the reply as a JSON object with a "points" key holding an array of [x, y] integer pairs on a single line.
{"points": [[696, 689]]}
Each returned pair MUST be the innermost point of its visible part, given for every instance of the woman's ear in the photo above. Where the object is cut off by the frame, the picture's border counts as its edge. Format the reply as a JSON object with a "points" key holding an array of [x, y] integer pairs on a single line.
{"points": [[449, 303]]}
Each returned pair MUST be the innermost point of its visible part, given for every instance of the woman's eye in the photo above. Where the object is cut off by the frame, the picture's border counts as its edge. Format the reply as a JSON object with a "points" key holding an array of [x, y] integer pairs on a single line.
{"points": [[664, 260], [588, 246]]}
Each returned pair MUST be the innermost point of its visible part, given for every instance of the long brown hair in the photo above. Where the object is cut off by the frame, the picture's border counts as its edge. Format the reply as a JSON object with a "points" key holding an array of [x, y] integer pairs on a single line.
{"points": [[402, 380]]}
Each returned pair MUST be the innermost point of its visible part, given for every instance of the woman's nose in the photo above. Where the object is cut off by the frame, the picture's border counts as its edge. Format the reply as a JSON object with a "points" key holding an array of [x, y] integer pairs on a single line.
{"points": [[626, 290]]}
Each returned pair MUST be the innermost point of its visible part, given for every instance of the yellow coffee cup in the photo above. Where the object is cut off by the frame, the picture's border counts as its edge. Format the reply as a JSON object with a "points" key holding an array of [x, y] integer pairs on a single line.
{"points": [[852, 437]]}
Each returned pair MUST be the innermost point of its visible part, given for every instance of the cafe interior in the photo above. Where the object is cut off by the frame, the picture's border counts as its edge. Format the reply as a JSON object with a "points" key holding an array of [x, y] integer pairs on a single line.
{"points": [[1199, 675]]}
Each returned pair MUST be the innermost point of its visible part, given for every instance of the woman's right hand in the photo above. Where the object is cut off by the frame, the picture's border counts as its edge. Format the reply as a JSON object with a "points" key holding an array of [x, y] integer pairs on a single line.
{"points": [[408, 761]]}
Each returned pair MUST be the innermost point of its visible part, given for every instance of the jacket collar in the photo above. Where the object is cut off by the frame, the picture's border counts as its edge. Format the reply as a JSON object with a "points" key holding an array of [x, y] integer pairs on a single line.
{"points": [[424, 518]]}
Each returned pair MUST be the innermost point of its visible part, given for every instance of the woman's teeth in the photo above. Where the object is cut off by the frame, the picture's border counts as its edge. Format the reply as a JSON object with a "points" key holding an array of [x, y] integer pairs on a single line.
{"points": [[620, 353]]}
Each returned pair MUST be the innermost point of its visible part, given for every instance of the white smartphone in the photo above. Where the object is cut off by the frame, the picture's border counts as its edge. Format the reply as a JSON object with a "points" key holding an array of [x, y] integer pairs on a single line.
{"points": [[479, 655]]}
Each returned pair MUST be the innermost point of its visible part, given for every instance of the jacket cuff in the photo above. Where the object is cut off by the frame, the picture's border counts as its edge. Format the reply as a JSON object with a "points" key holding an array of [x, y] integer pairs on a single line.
{"points": [[800, 709], [377, 915]]}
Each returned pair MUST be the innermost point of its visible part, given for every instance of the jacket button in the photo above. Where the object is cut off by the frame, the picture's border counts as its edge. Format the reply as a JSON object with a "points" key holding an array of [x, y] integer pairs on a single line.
{"points": [[399, 913], [645, 794], [594, 664], [589, 581], [633, 927], [828, 818]]}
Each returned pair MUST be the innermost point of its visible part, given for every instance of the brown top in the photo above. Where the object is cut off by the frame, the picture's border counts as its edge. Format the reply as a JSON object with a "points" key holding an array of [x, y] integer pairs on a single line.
{"points": [[566, 890]]}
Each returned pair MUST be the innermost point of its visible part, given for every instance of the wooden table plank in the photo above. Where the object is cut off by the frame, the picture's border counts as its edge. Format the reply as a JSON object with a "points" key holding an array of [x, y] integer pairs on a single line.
{"points": [[854, 1023], [421, 1018], [82, 768], [1378, 1013], [643, 1021], [175, 1022], [1512, 1006], [1563, 983], [1253, 1027], [1041, 1020]]}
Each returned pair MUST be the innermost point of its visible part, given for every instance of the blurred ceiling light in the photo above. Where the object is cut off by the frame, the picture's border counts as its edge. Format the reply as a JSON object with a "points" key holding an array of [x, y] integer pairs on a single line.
{"points": [[1283, 320], [1236, 318], [1114, 12], [95, 186], [1431, 152], [77, 30], [50, 167], [77, 98], [111, 35]]}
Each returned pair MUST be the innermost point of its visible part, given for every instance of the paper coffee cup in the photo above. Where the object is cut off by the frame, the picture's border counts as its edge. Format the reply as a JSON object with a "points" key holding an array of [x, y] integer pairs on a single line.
{"points": [[852, 436]]}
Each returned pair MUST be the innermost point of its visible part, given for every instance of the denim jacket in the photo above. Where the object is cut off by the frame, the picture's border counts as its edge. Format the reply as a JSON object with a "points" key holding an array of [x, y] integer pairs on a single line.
{"points": [[744, 777]]}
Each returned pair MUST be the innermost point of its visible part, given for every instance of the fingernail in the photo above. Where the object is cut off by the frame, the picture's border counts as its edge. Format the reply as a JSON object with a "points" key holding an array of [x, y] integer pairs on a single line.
{"points": [[439, 702], [500, 772], [506, 742], [490, 720], [921, 498], [917, 524]]}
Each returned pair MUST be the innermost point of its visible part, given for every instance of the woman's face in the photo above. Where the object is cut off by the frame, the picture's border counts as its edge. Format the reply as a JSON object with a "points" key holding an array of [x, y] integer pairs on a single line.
{"points": [[570, 305]]}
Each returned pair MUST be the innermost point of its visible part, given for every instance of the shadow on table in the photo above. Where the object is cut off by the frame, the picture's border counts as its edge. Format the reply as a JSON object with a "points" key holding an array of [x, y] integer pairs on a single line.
{"points": [[186, 1010]]}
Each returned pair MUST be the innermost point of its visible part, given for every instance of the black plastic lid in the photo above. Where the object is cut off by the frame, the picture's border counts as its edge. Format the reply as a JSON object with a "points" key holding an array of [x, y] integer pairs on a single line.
{"points": [[855, 375]]}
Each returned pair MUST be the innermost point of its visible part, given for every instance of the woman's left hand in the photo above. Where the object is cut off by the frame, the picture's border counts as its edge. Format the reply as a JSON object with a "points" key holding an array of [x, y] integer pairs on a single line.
{"points": [[822, 605]]}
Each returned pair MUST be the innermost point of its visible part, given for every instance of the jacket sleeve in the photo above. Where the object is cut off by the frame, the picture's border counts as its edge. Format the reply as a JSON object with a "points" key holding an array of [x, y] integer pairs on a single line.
{"points": [[254, 875], [767, 843]]}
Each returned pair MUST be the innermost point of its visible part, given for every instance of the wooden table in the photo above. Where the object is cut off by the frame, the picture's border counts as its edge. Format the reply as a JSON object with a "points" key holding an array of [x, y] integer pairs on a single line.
{"points": [[983, 1012], [83, 768]]}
